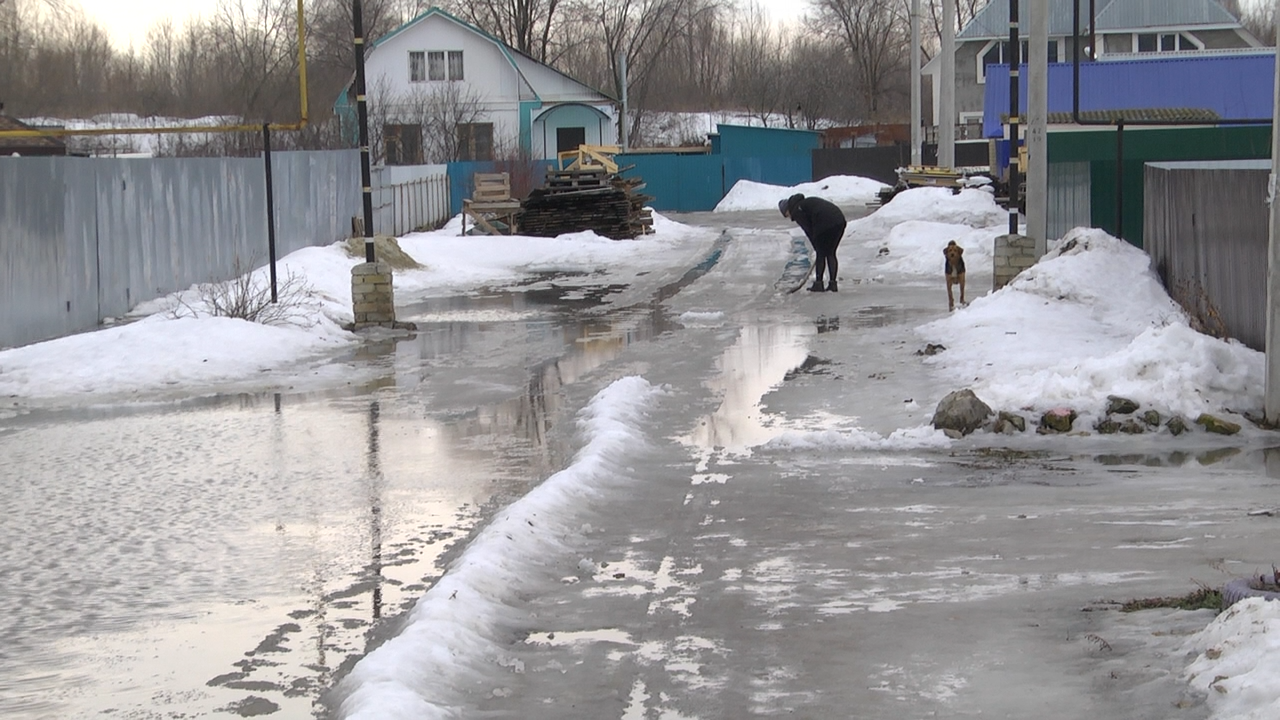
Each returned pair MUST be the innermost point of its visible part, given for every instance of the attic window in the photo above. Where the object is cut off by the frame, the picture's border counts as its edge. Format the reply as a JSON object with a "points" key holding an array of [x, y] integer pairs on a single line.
{"points": [[437, 69], [435, 65], [1165, 42], [417, 66], [997, 52], [455, 65]]}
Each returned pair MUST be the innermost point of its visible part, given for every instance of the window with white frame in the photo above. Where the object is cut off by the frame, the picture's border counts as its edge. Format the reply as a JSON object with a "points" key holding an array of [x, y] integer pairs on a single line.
{"points": [[455, 65], [1165, 42], [435, 65], [997, 52], [417, 66]]}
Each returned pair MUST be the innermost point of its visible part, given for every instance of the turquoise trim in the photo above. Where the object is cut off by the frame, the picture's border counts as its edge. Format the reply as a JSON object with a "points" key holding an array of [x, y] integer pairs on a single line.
{"points": [[527, 108]]}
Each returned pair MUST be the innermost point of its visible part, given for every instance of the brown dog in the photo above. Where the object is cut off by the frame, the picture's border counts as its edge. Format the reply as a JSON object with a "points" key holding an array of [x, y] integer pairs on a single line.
{"points": [[954, 271]]}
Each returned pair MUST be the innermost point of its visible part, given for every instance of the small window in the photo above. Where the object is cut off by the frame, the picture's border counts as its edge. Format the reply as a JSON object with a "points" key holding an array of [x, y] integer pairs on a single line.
{"points": [[435, 65], [1146, 42], [455, 65], [570, 138], [417, 66], [475, 141], [1168, 43], [403, 144], [1053, 51]]}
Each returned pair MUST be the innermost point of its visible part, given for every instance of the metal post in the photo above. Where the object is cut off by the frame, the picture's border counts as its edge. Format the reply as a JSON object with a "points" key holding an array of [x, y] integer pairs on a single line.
{"points": [[1038, 127], [271, 208], [947, 91], [362, 112], [1120, 178], [1271, 397], [915, 84], [1015, 134]]}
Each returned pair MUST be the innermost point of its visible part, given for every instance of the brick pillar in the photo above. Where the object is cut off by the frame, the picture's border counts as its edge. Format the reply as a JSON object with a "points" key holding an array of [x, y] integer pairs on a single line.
{"points": [[372, 297], [1013, 254]]}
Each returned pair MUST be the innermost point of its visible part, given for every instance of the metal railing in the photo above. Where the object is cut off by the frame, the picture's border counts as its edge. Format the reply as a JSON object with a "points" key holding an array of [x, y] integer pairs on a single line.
{"points": [[421, 204]]}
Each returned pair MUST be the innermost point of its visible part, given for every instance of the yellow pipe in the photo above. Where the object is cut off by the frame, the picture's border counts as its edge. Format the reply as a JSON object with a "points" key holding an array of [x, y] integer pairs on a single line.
{"points": [[173, 130], [302, 65]]}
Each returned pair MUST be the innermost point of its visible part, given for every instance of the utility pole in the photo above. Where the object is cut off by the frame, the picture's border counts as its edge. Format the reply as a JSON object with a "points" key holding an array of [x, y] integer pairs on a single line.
{"points": [[1015, 132], [915, 84], [947, 93], [1271, 399], [1038, 127], [362, 113]]}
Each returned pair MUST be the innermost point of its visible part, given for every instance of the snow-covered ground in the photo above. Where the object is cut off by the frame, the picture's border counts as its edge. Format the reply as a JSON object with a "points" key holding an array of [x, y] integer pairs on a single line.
{"points": [[1089, 320]]}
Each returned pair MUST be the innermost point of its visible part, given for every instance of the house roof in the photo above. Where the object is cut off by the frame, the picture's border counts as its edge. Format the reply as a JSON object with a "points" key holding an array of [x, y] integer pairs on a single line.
{"points": [[513, 56], [12, 144], [1235, 87], [992, 22]]}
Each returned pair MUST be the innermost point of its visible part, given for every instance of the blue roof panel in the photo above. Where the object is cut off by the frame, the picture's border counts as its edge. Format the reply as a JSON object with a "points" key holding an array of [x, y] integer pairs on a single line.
{"points": [[1238, 87]]}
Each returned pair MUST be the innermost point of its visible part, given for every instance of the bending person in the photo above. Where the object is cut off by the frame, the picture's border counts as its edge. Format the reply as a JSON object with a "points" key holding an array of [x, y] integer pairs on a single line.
{"points": [[823, 223]]}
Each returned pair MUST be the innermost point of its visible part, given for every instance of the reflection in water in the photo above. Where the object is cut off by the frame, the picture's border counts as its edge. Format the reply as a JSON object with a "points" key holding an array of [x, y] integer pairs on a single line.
{"points": [[756, 363], [1265, 459], [211, 555], [375, 510]]}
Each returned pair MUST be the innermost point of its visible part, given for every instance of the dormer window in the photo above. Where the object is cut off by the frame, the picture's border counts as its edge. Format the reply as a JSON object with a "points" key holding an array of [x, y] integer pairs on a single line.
{"points": [[1164, 42], [997, 52]]}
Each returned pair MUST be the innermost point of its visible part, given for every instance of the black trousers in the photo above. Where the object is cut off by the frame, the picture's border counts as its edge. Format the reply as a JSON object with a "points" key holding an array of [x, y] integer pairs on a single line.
{"points": [[825, 244]]}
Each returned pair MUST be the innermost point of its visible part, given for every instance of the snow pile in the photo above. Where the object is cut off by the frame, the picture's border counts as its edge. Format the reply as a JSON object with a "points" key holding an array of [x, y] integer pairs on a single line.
{"points": [[1235, 664], [915, 247], [1091, 320], [162, 354], [974, 208], [459, 629], [839, 189], [173, 345]]}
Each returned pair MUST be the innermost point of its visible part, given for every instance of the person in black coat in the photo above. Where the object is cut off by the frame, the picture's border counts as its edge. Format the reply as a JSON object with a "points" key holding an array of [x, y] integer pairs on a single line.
{"points": [[824, 225]]}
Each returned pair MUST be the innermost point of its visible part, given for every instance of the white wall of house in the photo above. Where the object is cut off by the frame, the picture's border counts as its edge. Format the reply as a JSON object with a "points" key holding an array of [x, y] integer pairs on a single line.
{"points": [[487, 74]]}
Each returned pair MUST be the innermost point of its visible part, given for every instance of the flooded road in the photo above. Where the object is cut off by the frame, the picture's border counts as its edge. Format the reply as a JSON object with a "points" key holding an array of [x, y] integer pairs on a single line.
{"points": [[234, 554]]}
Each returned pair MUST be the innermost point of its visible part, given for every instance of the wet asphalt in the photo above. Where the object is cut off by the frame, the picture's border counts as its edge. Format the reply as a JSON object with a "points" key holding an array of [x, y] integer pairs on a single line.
{"points": [[235, 555]]}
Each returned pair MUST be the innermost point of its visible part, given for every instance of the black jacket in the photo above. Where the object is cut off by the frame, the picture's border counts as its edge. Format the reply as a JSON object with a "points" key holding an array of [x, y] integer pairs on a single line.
{"points": [[814, 215]]}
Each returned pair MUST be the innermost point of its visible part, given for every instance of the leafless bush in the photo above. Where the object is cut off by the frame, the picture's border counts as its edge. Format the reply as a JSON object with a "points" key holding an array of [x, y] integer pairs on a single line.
{"points": [[248, 297]]}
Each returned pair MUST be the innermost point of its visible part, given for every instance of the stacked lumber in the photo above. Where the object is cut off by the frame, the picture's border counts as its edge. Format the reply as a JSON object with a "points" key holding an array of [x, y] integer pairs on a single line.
{"points": [[589, 198]]}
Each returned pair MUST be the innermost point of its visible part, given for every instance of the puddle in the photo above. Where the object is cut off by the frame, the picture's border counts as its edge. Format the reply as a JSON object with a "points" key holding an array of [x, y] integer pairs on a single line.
{"points": [[269, 535]]}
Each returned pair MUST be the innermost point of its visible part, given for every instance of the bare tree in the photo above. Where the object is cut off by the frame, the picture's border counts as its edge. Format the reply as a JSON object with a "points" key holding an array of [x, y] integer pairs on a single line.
{"points": [[1259, 18], [639, 31], [874, 33], [757, 65], [526, 25], [429, 116]]}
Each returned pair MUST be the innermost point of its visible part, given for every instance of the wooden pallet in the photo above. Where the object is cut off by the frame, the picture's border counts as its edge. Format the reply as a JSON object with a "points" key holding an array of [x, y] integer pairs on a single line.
{"points": [[491, 205]]}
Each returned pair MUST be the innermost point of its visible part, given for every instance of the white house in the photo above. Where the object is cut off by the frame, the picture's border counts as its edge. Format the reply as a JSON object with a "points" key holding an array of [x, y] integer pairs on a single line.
{"points": [[1123, 29], [440, 89]]}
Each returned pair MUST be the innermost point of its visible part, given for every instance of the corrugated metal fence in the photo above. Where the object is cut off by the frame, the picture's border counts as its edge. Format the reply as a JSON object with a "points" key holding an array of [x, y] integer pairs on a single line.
{"points": [[1070, 198], [1205, 227], [84, 239]]}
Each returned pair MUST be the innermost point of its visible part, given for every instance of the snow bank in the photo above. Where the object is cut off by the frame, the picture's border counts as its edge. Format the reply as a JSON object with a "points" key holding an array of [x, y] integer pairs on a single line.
{"points": [[1091, 320], [839, 189], [972, 208], [1235, 664], [459, 629], [162, 354], [915, 247]]}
